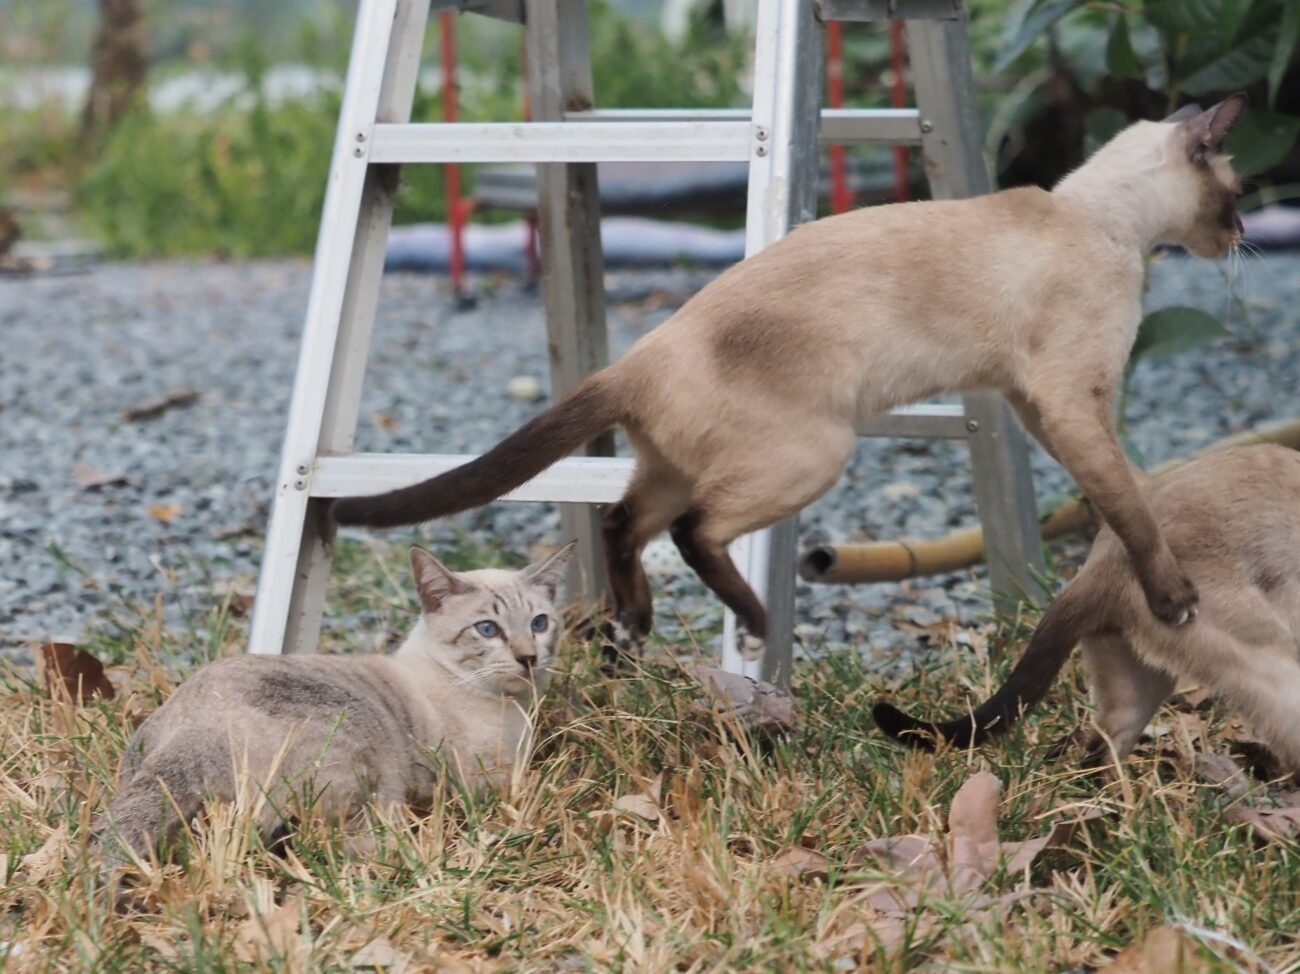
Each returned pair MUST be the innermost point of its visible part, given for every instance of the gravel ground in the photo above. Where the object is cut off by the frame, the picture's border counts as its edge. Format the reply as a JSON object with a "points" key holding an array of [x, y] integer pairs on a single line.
{"points": [[187, 514]]}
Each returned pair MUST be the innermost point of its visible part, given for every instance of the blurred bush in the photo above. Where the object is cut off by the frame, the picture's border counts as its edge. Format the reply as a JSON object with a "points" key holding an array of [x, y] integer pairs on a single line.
{"points": [[1079, 70], [247, 177]]}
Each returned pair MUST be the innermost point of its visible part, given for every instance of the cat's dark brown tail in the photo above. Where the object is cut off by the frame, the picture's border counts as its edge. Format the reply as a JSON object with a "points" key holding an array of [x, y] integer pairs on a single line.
{"points": [[579, 417], [1070, 617]]}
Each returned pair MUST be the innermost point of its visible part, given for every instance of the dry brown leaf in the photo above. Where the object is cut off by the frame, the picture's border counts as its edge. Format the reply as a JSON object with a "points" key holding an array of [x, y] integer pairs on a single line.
{"points": [[642, 806], [90, 478], [383, 420], [1019, 855], [237, 593], [156, 407], [381, 955], [757, 705], [160, 944], [1221, 770], [165, 512], [932, 632], [1269, 824], [74, 672], [48, 859], [269, 934], [1165, 950], [800, 863], [973, 832]]}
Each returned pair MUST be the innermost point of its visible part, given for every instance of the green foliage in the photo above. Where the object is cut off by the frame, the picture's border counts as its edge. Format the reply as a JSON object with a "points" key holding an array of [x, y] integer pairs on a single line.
{"points": [[239, 183], [1198, 48], [1175, 329], [249, 179]]}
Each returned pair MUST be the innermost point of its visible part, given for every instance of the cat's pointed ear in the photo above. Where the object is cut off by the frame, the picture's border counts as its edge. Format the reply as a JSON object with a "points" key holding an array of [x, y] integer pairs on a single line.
{"points": [[1184, 113], [549, 572], [434, 581], [1207, 130]]}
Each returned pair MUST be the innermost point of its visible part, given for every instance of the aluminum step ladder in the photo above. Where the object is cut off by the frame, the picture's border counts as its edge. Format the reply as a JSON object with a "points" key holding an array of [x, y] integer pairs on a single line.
{"points": [[779, 140]]}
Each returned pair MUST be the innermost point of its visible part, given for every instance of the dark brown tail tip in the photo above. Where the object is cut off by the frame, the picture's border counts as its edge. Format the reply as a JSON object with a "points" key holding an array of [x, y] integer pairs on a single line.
{"points": [[904, 728]]}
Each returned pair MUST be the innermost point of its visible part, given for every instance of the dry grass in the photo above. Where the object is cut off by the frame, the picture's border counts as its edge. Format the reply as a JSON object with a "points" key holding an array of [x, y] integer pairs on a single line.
{"points": [[554, 878]]}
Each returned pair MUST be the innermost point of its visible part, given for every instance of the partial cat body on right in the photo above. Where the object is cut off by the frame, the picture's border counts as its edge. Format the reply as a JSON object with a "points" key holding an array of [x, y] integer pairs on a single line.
{"points": [[744, 406], [1232, 518]]}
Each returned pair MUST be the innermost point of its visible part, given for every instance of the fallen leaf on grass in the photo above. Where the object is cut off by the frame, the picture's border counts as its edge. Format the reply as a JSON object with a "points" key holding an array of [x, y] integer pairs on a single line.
{"points": [[269, 934], [165, 512], [48, 859], [90, 478], [74, 672], [380, 955], [800, 863], [757, 705], [383, 421], [156, 407], [237, 593], [1269, 824], [1221, 770], [645, 805], [918, 869], [161, 944], [1165, 950]]}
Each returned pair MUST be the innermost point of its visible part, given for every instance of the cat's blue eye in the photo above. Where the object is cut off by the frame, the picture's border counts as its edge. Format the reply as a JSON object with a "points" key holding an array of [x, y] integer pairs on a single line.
{"points": [[488, 629], [541, 623]]}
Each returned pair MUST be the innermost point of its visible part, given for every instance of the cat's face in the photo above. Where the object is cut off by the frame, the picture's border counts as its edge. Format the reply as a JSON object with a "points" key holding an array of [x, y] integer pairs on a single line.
{"points": [[496, 631], [1212, 226]]}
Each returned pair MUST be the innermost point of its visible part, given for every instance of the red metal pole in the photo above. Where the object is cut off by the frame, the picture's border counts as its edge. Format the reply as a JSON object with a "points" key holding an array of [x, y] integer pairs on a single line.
{"points": [[456, 210], [898, 98], [841, 195]]}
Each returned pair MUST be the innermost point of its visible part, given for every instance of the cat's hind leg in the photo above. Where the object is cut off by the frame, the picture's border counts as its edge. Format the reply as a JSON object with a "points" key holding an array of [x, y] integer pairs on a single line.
{"points": [[655, 497], [1126, 691], [789, 467]]}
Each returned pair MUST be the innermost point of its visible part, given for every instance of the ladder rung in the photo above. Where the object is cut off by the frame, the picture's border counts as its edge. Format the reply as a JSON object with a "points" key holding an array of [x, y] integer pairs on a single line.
{"points": [[839, 126], [508, 10], [579, 480], [582, 480], [670, 141], [829, 10], [935, 421]]}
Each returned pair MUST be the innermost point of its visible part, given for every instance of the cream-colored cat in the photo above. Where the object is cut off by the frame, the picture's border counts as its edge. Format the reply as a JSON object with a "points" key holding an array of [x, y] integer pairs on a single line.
{"points": [[346, 729], [1232, 518], [743, 406]]}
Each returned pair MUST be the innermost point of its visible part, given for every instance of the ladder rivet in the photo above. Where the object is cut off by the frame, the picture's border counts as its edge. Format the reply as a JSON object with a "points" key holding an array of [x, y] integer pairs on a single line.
{"points": [[358, 152], [762, 150], [972, 426], [927, 125], [762, 134], [302, 469], [300, 484], [361, 136]]}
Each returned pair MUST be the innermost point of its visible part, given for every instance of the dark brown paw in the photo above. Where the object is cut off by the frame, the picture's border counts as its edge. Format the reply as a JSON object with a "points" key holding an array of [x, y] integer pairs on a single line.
{"points": [[1174, 603]]}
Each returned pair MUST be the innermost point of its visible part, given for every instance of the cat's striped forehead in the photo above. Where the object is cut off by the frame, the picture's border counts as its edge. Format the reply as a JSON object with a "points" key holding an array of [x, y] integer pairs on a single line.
{"points": [[504, 590]]}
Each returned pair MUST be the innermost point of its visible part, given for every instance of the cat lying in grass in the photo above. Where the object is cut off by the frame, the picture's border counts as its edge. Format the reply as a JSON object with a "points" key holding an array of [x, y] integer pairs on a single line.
{"points": [[348, 729]]}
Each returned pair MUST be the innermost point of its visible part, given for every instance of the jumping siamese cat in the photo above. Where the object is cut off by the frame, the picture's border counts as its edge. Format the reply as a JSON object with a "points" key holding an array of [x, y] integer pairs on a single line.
{"points": [[345, 729], [743, 407], [1232, 518]]}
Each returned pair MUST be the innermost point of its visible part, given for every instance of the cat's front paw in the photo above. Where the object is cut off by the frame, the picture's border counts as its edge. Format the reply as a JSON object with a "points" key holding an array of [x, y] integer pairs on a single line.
{"points": [[749, 646], [1172, 596], [620, 647]]}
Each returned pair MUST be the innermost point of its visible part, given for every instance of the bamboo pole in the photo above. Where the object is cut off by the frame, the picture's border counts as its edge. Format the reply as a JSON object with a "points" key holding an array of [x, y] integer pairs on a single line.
{"points": [[893, 561]]}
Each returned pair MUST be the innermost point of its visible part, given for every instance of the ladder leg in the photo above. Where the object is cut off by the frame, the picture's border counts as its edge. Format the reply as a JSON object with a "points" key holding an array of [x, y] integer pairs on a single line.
{"points": [[954, 161], [382, 71], [782, 194], [573, 278]]}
